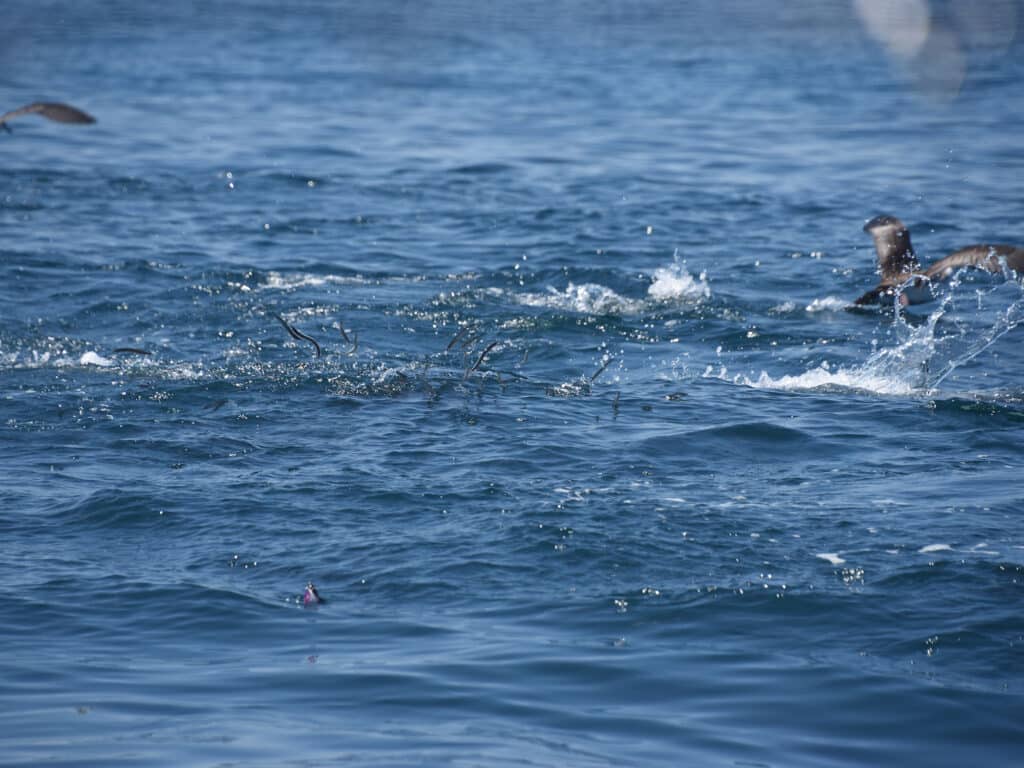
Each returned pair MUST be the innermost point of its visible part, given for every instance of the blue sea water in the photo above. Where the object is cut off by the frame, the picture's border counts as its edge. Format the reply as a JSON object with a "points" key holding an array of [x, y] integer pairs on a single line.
{"points": [[597, 466]]}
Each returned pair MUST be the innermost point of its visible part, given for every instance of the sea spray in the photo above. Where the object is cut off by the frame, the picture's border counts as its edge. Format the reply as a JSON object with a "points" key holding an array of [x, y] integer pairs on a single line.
{"points": [[674, 283], [670, 284], [925, 352], [969, 341]]}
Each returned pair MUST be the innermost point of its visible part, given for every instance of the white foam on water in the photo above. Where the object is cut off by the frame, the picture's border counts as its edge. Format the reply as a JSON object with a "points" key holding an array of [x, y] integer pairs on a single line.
{"points": [[822, 377], [675, 283], [827, 304], [984, 549], [935, 548], [186, 372], [91, 358], [898, 370], [277, 281], [588, 298], [668, 284], [25, 359], [281, 281], [831, 557]]}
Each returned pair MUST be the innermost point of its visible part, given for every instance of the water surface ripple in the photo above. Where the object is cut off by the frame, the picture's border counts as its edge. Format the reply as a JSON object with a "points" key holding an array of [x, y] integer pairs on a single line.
{"points": [[596, 465]]}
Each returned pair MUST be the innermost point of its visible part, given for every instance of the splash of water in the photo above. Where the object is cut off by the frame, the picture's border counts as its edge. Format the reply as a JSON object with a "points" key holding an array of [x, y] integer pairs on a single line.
{"points": [[963, 326], [674, 282], [858, 378], [588, 298], [669, 284], [975, 328]]}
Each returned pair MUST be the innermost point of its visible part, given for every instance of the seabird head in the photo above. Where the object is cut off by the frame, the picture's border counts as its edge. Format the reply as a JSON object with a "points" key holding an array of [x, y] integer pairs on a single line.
{"points": [[892, 242]]}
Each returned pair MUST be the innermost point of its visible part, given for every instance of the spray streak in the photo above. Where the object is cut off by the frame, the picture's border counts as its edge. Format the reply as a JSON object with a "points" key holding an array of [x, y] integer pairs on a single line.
{"points": [[926, 353], [1009, 322]]}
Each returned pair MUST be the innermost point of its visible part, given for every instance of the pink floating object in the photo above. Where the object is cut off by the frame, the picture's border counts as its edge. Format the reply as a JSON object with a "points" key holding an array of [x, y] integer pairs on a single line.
{"points": [[311, 596]]}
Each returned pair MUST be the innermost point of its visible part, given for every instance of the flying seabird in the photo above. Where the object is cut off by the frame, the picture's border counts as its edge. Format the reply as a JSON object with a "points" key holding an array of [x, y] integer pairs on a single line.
{"points": [[901, 270], [61, 113]]}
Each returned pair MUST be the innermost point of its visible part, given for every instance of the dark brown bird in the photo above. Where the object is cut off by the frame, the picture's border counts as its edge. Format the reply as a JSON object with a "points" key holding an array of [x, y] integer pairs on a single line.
{"points": [[61, 113], [901, 270]]}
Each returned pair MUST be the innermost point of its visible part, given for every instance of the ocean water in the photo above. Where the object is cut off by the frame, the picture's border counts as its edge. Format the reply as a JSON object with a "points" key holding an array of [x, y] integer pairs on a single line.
{"points": [[596, 465]]}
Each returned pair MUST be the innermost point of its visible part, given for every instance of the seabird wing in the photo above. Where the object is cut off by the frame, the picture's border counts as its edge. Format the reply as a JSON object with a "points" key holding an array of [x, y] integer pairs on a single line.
{"points": [[28, 109], [988, 257], [62, 113], [65, 113]]}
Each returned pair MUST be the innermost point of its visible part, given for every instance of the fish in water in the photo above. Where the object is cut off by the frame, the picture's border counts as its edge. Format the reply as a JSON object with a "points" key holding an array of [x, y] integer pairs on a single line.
{"points": [[901, 270], [61, 113], [311, 596]]}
